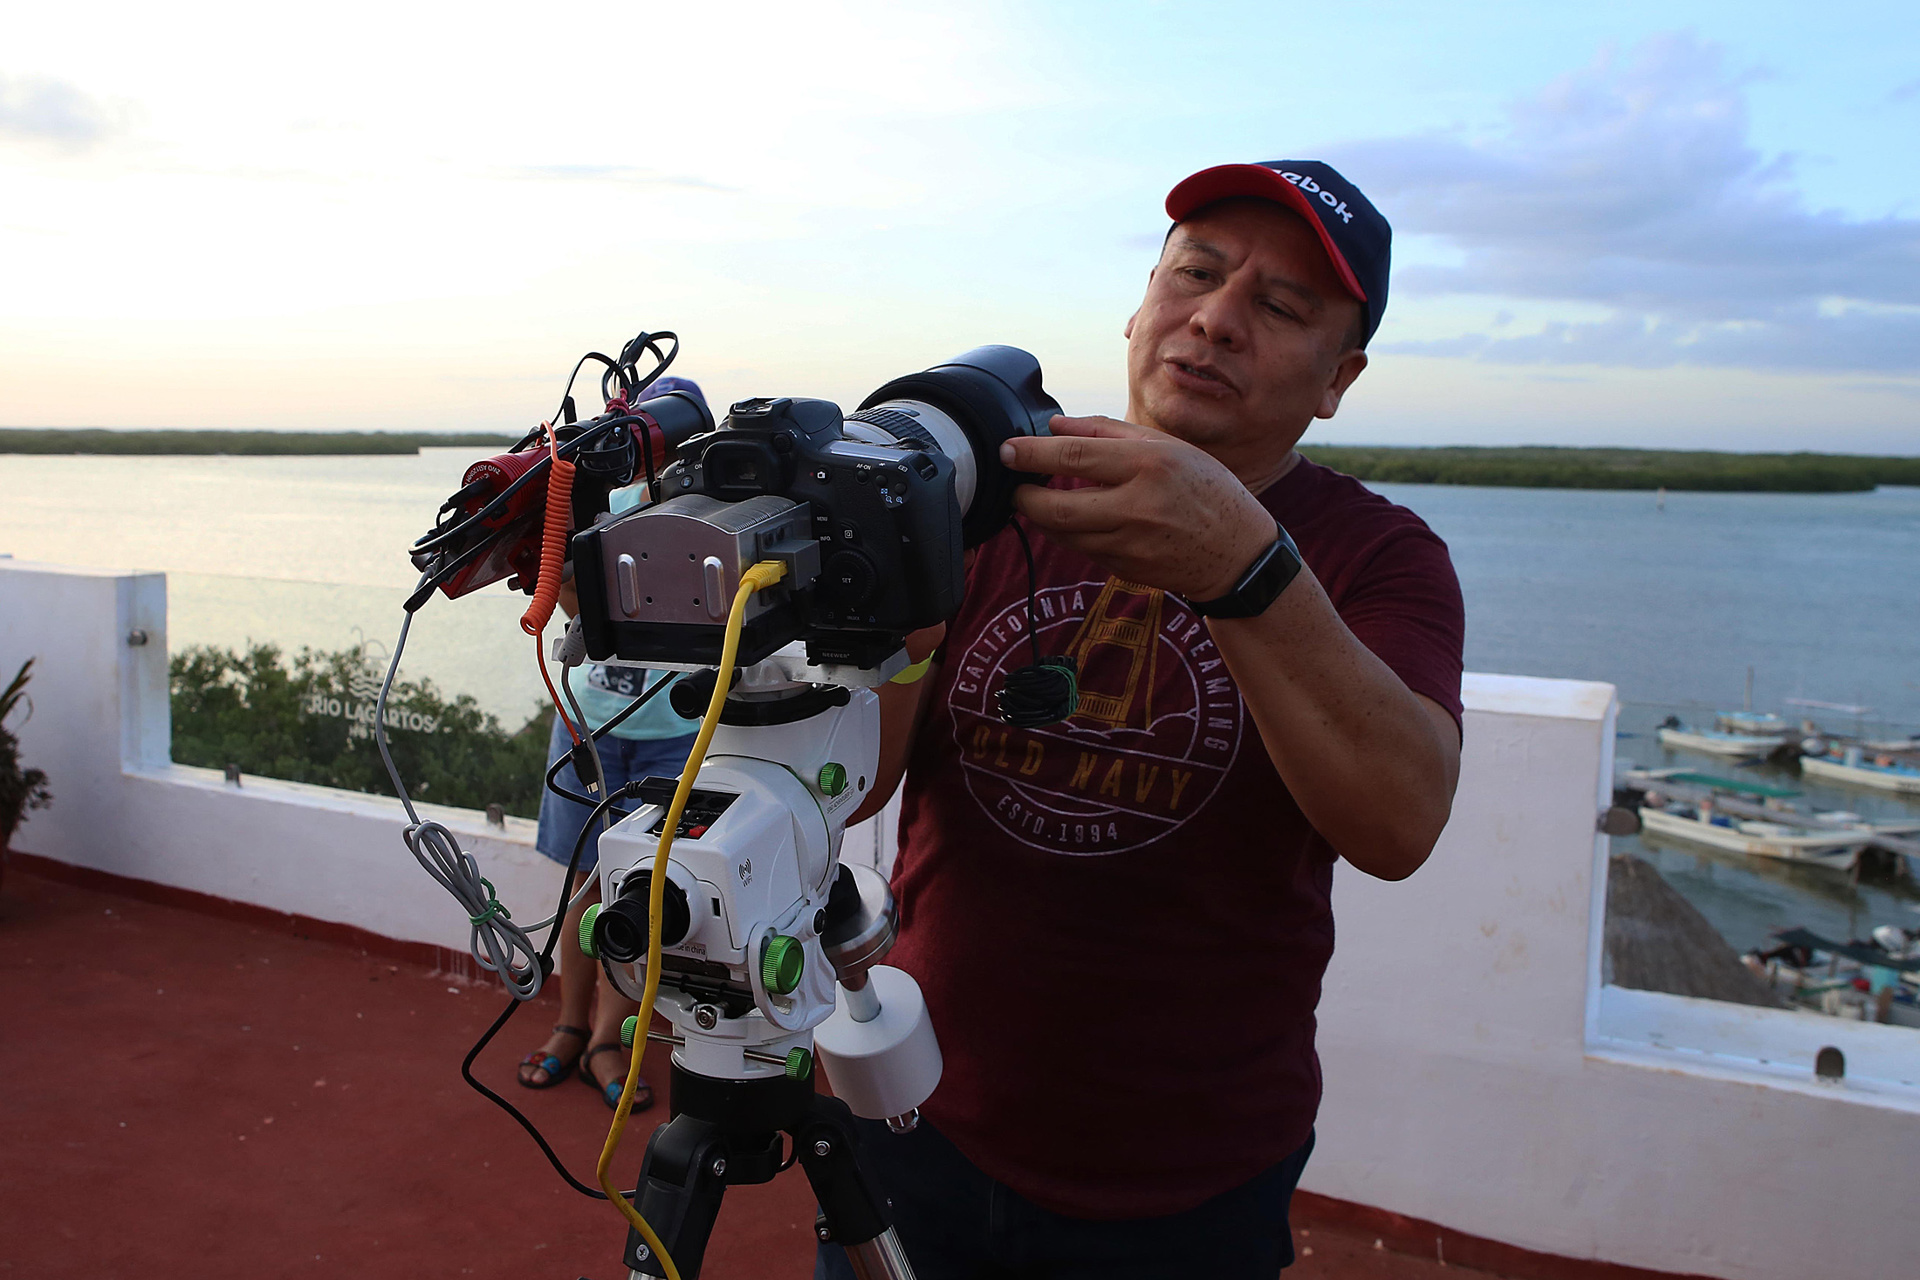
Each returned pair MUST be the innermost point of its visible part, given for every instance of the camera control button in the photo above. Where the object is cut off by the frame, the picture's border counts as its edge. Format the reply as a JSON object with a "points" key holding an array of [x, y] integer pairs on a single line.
{"points": [[847, 579]]}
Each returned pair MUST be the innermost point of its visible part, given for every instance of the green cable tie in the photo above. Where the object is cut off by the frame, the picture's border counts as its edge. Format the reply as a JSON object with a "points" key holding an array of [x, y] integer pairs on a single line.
{"points": [[493, 906]]}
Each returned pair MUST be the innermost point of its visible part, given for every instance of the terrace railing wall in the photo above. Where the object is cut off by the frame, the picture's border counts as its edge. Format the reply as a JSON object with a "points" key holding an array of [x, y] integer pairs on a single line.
{"points": [[1479, 1075]]}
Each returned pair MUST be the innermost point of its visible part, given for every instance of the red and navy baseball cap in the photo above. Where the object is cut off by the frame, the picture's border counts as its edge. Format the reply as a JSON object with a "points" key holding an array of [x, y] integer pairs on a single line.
{"points": [[1356, 237]]}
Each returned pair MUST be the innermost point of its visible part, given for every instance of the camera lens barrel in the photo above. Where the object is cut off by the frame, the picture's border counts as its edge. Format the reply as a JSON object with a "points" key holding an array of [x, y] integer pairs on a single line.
{"points": [[677, 417], [992, 394]]}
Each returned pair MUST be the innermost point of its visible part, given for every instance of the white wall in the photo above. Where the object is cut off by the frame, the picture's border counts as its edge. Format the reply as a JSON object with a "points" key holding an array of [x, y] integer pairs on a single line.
{"points": [[101, 732], [1477, 1075]]}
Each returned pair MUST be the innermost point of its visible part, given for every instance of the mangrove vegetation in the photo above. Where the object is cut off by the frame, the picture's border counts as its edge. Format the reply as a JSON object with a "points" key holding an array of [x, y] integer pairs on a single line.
{"points": [[100, 440], [309, 718], [1546, 467]]}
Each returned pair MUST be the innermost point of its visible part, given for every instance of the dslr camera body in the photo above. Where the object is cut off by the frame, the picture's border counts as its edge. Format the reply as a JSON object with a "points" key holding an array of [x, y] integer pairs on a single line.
{"points": [[870, 514]]}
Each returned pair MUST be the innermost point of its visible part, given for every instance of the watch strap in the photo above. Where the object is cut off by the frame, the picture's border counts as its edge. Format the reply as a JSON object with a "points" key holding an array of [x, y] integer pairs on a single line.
{"points": [[1260, 585]]}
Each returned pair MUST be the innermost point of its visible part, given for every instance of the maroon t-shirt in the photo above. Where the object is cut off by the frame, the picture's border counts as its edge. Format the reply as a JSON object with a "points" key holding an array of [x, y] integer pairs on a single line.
{"points": [[1067, 894]]}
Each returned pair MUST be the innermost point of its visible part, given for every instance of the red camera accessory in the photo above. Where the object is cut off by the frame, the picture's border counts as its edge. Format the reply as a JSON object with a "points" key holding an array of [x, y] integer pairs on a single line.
{"points": [[620, 446], [515, 528]]}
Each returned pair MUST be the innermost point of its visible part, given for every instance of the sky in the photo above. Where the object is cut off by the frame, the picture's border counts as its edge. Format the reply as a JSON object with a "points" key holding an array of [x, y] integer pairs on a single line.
{"points": [[1672, 225]]}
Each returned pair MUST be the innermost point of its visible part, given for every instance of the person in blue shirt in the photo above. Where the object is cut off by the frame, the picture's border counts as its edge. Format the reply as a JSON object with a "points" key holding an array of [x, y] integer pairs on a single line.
{"points": [[653, 741]]}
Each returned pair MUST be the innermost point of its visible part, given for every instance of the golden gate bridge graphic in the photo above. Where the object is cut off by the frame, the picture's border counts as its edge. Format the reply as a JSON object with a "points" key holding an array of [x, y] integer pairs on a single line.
{"points": [[1125, 617]]}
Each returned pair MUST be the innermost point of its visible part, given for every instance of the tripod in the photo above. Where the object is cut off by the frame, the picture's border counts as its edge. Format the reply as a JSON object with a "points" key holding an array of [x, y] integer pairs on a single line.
{"points": [[729, 1132]]}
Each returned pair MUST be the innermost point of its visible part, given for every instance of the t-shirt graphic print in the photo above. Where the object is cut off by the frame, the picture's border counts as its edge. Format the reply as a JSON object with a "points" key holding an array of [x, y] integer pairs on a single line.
{"points": [[1158, 726]]}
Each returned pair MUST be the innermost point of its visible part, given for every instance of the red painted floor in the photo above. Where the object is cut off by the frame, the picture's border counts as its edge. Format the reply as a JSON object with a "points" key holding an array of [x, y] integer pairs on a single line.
{"points": [[186, 1096]]}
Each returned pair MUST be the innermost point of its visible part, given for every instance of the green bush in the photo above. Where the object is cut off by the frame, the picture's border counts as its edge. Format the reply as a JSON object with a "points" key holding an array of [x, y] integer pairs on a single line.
{"points": [[310, 719], [20, 789]]}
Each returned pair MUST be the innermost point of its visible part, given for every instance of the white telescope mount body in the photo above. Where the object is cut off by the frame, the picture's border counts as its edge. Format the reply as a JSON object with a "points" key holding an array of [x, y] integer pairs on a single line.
{"points": [[770, 952]]}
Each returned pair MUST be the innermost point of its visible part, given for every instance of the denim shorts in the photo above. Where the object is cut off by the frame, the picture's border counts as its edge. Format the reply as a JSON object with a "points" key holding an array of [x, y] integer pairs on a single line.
{"points": [[623, 760]]}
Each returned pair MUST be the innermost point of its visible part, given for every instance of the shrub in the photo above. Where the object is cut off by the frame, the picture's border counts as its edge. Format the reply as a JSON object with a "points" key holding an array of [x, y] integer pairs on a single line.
{"points": [[20, 789], [310, 719]]}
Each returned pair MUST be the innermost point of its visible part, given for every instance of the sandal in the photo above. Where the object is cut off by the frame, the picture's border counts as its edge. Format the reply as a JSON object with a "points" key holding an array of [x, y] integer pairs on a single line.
{"points": [[556, 1069], [610, 1091]]}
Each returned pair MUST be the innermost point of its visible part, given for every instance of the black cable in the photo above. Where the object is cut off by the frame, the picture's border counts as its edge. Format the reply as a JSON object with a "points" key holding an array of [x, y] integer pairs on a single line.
{"points": [[546, 964], [437, 536], [630, 353], [585, 751], [1033, 630], [553, 770], [440, 535], [631, 383], [605, 806], [1048, 690]]}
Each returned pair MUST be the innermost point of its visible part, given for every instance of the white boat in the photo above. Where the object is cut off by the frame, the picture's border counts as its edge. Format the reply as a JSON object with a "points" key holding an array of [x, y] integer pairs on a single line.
{"points": [[1880, 981], [1718, 742], [1758, 723], [1857, 770], [1760, 839]]}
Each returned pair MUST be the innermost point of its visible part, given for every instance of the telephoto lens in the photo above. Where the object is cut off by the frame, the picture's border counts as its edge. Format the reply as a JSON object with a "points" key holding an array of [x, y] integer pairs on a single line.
{"points": [[965, 409]]}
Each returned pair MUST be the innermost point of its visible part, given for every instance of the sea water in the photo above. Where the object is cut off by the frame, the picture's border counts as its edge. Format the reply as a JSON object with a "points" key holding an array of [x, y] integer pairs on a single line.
{"points": [[1674, 602]]}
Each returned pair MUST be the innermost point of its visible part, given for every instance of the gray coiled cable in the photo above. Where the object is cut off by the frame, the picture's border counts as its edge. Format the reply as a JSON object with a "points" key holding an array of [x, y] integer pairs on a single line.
{"points": [[497, 944]]}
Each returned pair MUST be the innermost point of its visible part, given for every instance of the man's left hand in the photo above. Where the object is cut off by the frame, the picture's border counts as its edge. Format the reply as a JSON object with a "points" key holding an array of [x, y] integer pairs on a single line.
{"points": [[1153, 510]]}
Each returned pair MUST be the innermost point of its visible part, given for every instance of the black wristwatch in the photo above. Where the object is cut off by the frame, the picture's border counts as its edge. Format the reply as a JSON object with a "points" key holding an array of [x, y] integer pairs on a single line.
{"points": [[1260, 585]]}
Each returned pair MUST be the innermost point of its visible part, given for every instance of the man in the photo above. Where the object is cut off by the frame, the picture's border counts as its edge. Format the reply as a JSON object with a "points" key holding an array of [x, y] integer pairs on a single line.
{"points": [[1154, 875]]}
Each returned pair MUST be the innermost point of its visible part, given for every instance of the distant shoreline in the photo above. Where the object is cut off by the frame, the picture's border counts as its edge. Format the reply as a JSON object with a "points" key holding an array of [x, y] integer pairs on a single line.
{"points": [[101, 440], [1498, 466], [1546, 467]]}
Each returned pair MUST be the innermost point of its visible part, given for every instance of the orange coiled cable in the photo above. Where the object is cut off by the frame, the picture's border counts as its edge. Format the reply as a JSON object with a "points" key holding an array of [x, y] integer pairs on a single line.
{"points": [[553, 543]]}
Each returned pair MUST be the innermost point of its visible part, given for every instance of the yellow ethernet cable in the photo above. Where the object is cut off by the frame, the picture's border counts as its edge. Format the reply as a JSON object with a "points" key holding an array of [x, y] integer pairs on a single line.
{"points": [[758, 578]]}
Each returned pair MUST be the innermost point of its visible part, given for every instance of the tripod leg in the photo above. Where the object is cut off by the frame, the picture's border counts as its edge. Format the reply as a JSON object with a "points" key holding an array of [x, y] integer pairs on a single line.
{"points": [[852, 1209], [681, 1182]]}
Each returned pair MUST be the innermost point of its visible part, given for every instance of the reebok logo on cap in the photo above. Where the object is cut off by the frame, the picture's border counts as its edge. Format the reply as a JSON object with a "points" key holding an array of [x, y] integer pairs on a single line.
{"points": [[1327, 197]]}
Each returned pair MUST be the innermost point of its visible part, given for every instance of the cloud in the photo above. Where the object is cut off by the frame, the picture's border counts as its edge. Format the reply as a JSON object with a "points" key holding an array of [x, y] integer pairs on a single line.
{"points": [[54, 113], [1632, 184], [1906, 92]]}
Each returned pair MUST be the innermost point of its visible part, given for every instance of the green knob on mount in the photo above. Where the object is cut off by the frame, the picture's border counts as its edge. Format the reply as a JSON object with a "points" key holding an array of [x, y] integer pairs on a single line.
{"points": [[833, 778], [627, 1030], [799, 1064], [586, 929], [780, 963]]}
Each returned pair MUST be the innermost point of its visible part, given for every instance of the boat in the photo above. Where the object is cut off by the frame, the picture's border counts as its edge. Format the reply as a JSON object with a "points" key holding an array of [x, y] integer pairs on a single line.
{"points": [[1676, 736], [1738, 816], [1699, 823], [1686, 782], [1879, 983], [1853, 766], [1754, 723]]}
